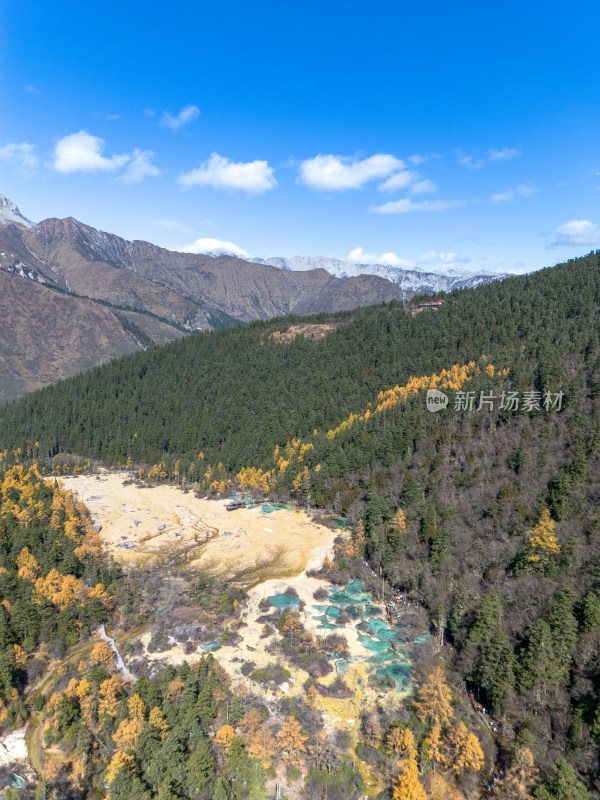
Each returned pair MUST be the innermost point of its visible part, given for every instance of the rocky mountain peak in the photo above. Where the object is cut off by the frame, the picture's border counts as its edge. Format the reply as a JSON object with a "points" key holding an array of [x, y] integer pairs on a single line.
{"points": [[9, 213]]}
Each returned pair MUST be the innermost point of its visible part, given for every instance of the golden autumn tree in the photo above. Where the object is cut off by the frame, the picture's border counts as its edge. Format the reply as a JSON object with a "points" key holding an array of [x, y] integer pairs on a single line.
{"points": [[434, 698], [28, 567], [300, 482], [111, 691], [291, 739], [136, 707], [251, 722], [99, 593], [78, 770], [101, 655], [20, 656], [407, 785], [312, 697], [83, 689], [520, 779], [89, 710], [542, 544], [127, 733], [117, 762], [400, 742], [258, 737], [467, 752], [224, 737], [158, 722], [398, 522], [432, 749]]}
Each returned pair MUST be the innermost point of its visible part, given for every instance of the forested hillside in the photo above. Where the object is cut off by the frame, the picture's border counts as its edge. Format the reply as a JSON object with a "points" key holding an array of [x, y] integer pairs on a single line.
{"points": [[54, 585], [489, 517], [236, 394]]}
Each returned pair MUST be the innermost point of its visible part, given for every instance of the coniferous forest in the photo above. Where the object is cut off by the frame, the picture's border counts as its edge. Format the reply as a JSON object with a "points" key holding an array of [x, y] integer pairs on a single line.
{"points": [[486, 513]]}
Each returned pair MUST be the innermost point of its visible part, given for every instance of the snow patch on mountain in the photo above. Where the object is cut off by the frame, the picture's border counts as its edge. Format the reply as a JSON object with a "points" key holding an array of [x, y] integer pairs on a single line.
{"points": [[9, 213], [412, 280]]}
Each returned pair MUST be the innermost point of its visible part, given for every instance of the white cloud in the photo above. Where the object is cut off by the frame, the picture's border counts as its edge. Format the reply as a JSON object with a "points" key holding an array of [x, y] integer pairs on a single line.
{"points": [[32, 89], [331, 173], [506, 154], [406, 205], [416, 159], [576, 232], [214, 247], [186, 115], [252, 177], [399, 180], [510, 194], [358, 256], [82, 152], [423, 187], [140, 167], [21, 156], [434, 259]]}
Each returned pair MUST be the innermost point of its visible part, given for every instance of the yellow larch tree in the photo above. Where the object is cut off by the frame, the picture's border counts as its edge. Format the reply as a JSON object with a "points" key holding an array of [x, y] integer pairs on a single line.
{"points": [[111, 691], [300, 481], [434, 698], [520, 779], [101, 655], [224, 737], [400, 742], [312, 697], [432, 749], [83, 689], [261, 744], [28, 567], [291, 739], [466, 750], [408, 786], [542, 543], [136, 707], [99, 593], [398, 523], [251, 722], [89, 710], [158, 722], [127, 733], [20, 656], [117, 762]]}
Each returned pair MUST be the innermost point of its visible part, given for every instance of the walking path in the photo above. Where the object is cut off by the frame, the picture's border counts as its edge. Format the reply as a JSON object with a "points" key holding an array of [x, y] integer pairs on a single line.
{"points": [[125, 673]]}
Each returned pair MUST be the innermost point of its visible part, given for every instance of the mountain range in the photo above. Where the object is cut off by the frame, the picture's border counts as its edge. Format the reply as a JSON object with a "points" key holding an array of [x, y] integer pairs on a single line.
{"points": [[72, 296], [415, 280]]}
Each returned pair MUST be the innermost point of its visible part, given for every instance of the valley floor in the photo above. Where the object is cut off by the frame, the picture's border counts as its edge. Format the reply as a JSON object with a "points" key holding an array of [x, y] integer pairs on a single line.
{"points": [[165, 526]]}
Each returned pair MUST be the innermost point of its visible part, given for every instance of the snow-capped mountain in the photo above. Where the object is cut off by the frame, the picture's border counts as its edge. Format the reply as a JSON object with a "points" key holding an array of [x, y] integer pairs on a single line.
{"points": [[412, 280], [9, 212]]}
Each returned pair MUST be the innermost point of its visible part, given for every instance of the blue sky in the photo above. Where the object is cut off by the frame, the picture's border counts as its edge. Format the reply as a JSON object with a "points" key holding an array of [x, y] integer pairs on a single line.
{"points": [[441, 134]]}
